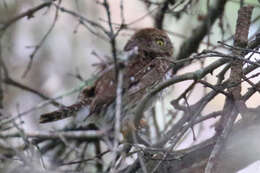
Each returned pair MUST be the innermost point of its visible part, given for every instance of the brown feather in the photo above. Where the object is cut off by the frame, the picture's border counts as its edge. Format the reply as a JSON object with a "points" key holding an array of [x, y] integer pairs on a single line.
{"points": [[141, 73]]}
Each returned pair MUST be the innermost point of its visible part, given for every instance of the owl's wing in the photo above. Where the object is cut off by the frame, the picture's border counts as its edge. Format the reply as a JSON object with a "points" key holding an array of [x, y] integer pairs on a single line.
{"points": [[105, 91]]}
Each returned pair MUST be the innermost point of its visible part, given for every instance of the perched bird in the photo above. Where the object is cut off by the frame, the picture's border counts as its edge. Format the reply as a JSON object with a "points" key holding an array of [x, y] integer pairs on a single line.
{"points": [[142, 72]]}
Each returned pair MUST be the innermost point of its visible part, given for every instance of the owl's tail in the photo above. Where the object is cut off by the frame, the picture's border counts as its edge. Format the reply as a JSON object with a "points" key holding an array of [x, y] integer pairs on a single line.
{"points": [[64, 112]]}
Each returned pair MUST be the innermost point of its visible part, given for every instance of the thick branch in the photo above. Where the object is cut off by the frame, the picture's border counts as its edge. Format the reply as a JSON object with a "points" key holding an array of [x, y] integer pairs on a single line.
{"points": [[230, 108], [191, 45]]}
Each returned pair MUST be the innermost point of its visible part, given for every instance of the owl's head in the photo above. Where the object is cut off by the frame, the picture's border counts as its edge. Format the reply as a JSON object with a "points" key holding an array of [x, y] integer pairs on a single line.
{"points": [[151, 42]]}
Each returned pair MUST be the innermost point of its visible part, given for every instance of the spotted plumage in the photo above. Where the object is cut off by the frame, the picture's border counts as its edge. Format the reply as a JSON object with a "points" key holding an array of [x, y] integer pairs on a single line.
{"points": [[142, 72]]}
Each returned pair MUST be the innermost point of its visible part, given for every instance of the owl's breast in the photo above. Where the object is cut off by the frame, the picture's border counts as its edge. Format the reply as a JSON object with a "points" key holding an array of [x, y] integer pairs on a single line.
{"points": [[137, 84], [148, 78]]}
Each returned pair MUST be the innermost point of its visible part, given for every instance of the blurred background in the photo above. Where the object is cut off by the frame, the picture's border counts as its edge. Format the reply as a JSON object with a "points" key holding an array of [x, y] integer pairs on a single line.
{"points": [[65, 58]]}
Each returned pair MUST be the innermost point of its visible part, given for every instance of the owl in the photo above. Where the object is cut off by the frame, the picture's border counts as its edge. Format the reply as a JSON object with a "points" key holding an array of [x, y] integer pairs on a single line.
{"points": [[143, 71]]}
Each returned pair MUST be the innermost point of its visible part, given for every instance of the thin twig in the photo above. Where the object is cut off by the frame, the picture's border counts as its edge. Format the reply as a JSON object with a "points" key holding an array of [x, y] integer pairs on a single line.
{"points": [[29, 14], [90, 134], [10, 81], [39, 45]]}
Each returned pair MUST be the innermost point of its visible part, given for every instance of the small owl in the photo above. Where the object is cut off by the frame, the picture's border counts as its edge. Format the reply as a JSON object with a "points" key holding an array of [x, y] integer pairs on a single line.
{"points": [[143, 72]]}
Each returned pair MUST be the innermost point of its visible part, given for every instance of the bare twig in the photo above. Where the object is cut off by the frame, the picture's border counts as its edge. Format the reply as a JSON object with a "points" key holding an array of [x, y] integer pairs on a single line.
{"points": [[39, 45], [43, 104], [1, 78], [29, 14], [10, 81], [117, 117], [90, 134]]}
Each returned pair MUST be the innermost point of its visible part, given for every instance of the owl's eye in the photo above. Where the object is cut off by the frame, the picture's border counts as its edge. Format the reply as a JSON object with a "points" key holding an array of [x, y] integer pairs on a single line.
{"points": [[160, 42]]}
